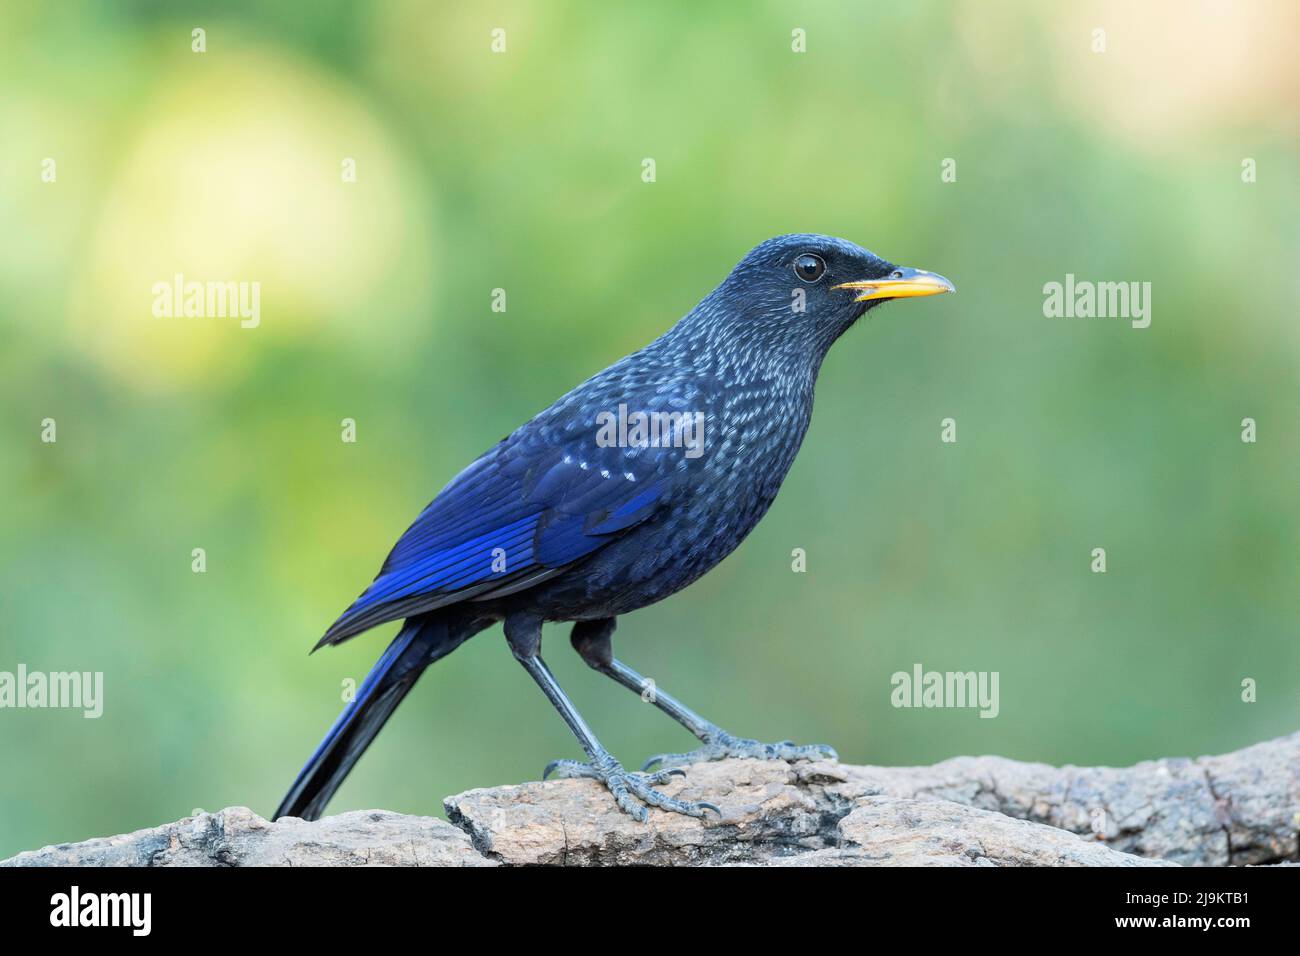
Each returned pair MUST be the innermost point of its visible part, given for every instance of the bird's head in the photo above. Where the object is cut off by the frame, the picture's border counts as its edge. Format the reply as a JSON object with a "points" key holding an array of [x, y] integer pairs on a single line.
{"points": [[803, 291]]}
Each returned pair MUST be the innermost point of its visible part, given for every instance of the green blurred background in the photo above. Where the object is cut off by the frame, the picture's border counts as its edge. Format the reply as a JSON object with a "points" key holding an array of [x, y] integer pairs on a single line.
{"points": [[522, 170]]}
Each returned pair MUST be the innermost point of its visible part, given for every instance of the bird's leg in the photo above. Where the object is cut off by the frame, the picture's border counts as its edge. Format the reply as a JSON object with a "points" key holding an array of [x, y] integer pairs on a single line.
{"points": [[525, 638], [591, 639]]}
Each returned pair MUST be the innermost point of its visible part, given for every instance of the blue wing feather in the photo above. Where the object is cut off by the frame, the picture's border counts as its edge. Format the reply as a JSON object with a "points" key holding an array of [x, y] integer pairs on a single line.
{"points": [[546, 496], [513, 514]]}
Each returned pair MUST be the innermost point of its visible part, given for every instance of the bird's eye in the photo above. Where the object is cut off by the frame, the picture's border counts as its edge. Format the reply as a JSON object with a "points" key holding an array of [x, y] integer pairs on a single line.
{"points": [[809, 267], [896, 274]]}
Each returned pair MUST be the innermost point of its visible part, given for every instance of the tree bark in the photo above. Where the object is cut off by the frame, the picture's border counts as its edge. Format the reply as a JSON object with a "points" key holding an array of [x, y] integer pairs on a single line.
{"points": [[1238, 808]]}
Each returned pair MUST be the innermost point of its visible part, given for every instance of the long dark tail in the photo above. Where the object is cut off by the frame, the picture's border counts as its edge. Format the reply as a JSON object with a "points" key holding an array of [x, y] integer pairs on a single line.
{"points": [[421, 641]]}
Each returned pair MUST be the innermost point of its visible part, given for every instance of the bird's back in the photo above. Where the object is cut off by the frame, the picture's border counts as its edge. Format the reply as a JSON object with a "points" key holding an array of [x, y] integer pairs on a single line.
{"points": [[623, 491], [710, 497]]}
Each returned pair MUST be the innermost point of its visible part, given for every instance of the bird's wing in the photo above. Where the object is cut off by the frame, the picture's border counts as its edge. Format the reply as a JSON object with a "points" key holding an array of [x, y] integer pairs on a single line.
{"points": [[545, 497]]}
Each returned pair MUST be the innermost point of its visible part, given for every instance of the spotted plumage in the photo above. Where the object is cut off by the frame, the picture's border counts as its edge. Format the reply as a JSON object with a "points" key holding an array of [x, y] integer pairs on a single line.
{"points": [[556, 523]]}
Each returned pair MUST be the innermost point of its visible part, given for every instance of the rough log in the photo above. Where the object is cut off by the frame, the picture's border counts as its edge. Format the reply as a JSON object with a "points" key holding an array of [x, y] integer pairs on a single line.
{"points": [[1238, 808]]}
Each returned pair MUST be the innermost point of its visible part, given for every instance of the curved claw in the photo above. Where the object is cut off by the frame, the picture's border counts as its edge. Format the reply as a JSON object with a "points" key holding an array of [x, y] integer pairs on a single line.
{"points": [[708, 806], [671, 772], [550, 768], [660, 776], [658, 758]]}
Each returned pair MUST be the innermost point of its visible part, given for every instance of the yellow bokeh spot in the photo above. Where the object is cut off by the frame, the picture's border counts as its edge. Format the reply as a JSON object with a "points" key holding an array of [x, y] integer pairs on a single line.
{"points": [[237, 173]]}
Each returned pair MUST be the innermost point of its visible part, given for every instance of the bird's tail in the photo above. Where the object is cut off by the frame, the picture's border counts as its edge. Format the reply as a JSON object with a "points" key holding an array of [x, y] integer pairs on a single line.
{"points": [[421, 641]]}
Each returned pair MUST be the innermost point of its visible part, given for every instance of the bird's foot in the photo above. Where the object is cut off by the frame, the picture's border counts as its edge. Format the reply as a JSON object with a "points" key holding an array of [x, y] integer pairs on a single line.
{"points": [[720, 745], [628, 787]]}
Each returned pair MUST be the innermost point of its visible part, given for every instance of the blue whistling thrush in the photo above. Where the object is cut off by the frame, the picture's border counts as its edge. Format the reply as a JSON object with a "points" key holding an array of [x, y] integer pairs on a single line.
{"points": [[623, 492]]}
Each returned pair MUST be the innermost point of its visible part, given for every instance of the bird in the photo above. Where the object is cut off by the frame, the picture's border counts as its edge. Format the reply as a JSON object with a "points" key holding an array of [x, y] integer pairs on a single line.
{"points": [[623, 492]]}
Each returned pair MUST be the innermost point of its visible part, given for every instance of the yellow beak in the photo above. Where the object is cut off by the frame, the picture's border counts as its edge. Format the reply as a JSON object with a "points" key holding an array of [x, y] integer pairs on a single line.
{"points": [[900, 284]]}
